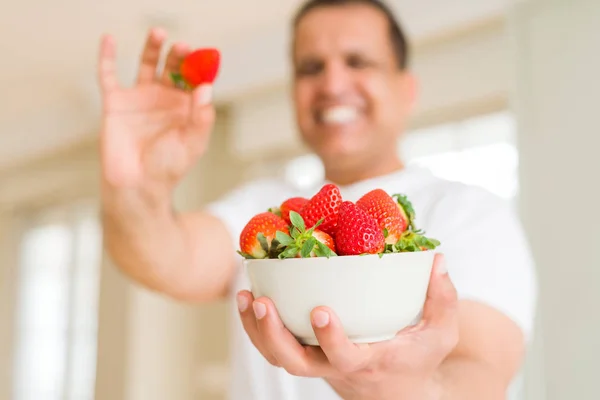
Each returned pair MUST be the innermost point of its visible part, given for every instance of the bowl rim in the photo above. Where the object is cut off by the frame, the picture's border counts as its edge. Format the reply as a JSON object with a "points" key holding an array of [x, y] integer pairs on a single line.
{"points": [[336, 259]]}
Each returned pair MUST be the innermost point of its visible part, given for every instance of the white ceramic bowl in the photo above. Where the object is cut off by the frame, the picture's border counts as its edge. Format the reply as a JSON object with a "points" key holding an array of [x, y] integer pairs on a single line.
{"points": [[374, 297]]}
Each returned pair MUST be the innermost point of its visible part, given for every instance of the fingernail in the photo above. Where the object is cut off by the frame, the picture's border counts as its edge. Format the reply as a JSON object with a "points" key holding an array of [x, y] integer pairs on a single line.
{"points": [[242, 303], [320, 319], [441, 265], [159, 32], [203, 94], [260, 310]]}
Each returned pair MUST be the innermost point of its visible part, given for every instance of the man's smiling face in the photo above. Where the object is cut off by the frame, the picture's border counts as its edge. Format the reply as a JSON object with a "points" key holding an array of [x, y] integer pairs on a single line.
{"points": [[351, 96]]}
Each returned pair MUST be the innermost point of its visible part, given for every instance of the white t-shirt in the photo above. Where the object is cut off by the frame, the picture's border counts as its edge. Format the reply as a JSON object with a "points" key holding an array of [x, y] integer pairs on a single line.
{"points": [[487, 257]]}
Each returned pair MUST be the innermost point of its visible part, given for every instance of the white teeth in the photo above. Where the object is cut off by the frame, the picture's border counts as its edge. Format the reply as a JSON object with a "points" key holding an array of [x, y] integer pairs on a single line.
{"points": [[339, 115]]}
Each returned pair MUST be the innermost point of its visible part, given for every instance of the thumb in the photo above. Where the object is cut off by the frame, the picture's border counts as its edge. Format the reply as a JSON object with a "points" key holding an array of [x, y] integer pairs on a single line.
{"points": [[440, 309], [201, 118], [202, 111]]}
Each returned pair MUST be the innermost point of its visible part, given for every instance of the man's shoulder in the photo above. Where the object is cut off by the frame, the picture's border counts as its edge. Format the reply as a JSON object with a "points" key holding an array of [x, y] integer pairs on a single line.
{"points": [[430, 193]]}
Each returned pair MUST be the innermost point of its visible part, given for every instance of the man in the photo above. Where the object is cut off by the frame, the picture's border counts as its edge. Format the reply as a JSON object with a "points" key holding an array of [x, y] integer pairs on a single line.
{"points": [[353, 93]]}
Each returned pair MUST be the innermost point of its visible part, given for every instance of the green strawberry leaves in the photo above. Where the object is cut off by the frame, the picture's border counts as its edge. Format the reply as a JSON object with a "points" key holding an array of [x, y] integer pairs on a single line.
{"points": [[412, 241], [284, 239], [301, 242], [406, 208], [297, 221], [179, 81]]}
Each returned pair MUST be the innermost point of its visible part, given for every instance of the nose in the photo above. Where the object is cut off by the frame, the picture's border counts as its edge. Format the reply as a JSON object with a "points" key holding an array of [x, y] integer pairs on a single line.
{"points": [[335, 80]]}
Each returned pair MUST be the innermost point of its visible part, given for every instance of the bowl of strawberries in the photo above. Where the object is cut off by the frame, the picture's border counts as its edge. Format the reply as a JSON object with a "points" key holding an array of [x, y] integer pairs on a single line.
{"points": [[365, 260]]}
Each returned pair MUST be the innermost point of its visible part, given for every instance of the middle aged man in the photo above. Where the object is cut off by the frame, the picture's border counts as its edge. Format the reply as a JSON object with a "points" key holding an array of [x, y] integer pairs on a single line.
{"points": [[353, 93]]}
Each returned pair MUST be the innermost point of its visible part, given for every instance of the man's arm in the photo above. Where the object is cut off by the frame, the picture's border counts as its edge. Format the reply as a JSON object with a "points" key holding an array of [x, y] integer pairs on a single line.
{"points": [[488, 355], [185, 256]]}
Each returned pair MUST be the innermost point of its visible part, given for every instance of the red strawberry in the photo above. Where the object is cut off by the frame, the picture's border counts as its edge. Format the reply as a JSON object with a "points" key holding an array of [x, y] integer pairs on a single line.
{"points": [[325, 239], [257, 236], [293, 204], [199, 67], [358, 233], [389, 214], [323, 205]]}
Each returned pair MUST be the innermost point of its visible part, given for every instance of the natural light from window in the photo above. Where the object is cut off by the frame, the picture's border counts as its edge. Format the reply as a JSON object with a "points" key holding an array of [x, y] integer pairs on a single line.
{"points": [[55, 355]]}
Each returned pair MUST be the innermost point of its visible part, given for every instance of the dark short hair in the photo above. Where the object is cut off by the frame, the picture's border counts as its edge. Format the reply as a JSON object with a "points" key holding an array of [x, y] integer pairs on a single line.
{"points": [[397, 36]]}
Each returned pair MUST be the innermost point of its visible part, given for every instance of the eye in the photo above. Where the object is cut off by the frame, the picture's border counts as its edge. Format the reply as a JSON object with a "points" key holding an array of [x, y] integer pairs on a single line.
{"points": [[356, 61], [309, 67]]}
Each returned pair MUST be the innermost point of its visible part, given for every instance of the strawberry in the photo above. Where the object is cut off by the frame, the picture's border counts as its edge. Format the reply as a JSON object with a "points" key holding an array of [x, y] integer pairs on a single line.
{"points": [[323, 206], [358, 232], [292, 204], [395, 216], [257, 237], [325, 239], [406, 209], [199, 67], [388, 213], [302, 242]]}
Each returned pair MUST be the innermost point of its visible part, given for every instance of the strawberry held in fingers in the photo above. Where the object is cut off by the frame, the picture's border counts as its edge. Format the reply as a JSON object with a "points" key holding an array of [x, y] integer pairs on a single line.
{"points": [[257, 237], [323, 206], [199, 67], [358, 232]]}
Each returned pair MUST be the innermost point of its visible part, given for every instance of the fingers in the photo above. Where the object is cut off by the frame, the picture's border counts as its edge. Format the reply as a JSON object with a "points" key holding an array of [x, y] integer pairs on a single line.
{"points": [[343, 355], [245, 300], [151, 56], [279, 342], [174, 58], [440, 311], [107, 64]]}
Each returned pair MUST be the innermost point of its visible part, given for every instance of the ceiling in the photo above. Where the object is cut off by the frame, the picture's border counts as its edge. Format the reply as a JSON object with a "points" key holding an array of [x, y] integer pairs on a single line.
{"points": [[49, 95]]}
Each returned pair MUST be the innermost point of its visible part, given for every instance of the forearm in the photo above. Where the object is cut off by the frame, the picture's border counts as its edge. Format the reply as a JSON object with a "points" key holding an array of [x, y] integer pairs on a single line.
{"points": [[162, 250], [460, 378], [142, 237]]}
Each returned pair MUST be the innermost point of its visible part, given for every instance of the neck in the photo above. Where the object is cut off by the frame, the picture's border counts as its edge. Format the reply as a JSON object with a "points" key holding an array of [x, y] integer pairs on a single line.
{"points": [[347, 175]]}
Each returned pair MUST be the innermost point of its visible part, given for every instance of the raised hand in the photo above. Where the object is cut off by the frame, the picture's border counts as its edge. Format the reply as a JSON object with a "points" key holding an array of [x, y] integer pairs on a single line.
{"points": [[152, 132]]}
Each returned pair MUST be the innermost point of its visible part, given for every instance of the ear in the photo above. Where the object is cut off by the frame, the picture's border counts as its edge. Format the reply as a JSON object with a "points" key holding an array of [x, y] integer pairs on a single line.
{"points": [[409, 89]]}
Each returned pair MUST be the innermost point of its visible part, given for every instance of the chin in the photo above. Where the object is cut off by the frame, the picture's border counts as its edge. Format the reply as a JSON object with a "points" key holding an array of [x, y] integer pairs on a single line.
{"points": [[341, 154], [331, 141]]}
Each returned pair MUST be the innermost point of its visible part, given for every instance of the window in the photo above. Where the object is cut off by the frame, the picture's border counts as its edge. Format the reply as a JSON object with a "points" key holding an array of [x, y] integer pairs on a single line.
{"points": [[56, 325]]}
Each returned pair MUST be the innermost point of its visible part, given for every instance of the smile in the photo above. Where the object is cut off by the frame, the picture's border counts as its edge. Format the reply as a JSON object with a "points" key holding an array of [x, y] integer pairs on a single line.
{"points": [[339, 115]]}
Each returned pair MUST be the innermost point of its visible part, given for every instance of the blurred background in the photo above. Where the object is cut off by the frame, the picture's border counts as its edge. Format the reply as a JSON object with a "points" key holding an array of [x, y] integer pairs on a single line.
{"points": [[509, 101]]}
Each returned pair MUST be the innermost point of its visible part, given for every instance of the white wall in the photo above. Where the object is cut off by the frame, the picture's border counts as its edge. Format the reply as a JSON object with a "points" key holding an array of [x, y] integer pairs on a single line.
{"points": [[557, 55]]}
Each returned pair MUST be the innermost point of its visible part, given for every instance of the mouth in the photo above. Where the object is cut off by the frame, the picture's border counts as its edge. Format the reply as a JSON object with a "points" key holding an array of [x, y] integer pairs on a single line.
{"points": [[337, 115]]}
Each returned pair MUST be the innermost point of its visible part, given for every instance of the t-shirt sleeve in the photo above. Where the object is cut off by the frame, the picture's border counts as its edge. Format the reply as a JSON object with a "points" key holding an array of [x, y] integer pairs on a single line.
{"points": [[487, 253]]}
